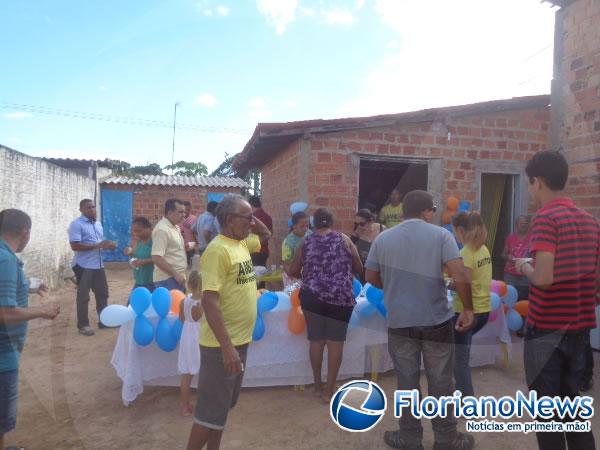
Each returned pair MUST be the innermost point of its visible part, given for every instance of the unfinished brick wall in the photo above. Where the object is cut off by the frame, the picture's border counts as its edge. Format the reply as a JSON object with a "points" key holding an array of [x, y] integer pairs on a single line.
{"points": [[149, 201], [508, 136], [280, 187], [576, 113]]}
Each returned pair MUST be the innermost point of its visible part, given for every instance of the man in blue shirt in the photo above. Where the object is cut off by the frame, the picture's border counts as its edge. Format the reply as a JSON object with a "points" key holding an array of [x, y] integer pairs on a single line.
{"points": [[15, 229], [87, 241]]}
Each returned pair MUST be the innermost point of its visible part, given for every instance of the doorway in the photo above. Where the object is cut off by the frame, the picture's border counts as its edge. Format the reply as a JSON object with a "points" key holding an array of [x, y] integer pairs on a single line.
{"points": [[378, 177], [499, 205]]}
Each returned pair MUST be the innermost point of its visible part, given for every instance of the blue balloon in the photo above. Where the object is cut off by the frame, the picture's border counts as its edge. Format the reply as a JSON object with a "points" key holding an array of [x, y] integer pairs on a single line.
{"points": [[298, 207], [464, 206], [495, 301], [116, 315], [161, 301], [365, 310], [140, 299], [143, 332], [381, 308], [511, 297], [164, 338], [267, 302], [283, 301], [176, 330], [514, 320], [259, 328], [290, 224], [356, 287], [374, 295]]}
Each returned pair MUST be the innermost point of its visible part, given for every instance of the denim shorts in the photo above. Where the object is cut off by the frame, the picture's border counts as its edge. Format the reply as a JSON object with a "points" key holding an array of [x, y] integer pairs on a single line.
{"points": [[170, 284], [9, 389]]}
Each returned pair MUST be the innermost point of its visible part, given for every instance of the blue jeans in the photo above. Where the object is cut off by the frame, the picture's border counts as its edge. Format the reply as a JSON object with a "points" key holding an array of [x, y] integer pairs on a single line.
{"points": [[9, 390], [462, 354], [170, 284], [435, 344], [554, 364]]}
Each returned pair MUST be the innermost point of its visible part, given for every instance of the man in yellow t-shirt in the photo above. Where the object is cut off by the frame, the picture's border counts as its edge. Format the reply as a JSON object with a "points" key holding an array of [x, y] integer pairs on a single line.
{"points": [[391, 214], [229, 302]]}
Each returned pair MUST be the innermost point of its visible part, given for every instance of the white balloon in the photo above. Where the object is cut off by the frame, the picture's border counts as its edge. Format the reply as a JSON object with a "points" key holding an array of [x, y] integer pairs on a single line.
{"points": [[116, 315]]}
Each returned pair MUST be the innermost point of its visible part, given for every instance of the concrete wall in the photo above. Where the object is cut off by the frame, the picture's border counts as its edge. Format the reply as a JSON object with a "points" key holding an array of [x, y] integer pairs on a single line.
{"points": [[323, 169], [576, 99], [50, 195]]}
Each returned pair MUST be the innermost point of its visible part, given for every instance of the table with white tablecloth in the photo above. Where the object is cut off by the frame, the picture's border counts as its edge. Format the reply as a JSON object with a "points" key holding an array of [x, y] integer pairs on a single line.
{"points": [[280, 358]]}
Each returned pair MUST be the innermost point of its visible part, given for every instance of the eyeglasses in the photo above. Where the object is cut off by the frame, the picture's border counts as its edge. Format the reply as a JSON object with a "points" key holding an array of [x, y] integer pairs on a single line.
{"points": [[249, 218]]}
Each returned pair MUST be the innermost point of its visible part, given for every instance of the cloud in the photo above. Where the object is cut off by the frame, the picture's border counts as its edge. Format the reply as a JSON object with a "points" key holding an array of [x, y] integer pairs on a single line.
{"points": [[280, 13], [341, 17], [393, 44], [207, 100], [208, 12], [307, 11], [359, 4], [222, 10], [467, 52], [256, 103], [17, 115]]}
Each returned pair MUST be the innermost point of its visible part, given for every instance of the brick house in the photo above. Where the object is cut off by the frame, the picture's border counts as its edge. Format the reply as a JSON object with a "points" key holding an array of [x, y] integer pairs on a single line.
{"points": [[125, 197], [575, 114], [472, 152]]}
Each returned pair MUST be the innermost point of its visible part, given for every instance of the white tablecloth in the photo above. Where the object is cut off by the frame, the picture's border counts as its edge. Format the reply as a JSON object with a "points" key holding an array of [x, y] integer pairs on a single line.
{"points": [[281, 358]]}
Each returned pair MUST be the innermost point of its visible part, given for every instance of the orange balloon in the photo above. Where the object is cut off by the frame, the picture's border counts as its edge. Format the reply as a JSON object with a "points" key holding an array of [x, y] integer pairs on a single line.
{"points": [[522, 307], [452, 203], [296, 322], [447, 217], [295, 298], [502, 288], [176, 298]]}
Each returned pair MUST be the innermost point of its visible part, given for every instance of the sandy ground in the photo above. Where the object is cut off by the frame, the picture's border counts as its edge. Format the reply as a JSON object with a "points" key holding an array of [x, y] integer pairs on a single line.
{"points": [[70, 398]]}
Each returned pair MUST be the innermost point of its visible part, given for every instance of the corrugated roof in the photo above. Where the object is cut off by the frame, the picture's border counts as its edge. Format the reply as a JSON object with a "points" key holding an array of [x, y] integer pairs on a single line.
{"points": [[79, 163], [270, 138], [177, 180]]}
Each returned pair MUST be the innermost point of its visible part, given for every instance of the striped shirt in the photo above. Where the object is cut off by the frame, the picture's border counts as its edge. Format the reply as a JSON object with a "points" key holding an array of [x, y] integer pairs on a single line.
{"points": [[573, 236]]}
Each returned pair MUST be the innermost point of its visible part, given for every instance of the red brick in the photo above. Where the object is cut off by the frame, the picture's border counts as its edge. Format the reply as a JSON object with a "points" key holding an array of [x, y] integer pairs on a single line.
{"points": [[323, 157], [316, 145]]}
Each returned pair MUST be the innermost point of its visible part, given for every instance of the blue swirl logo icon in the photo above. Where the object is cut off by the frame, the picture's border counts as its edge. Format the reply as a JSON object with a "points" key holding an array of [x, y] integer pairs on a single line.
{"points": [[358, 419]]}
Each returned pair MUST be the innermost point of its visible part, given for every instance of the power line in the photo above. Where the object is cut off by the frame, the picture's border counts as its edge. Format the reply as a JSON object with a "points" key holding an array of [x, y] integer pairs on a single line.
{"points": [[36, 109]]}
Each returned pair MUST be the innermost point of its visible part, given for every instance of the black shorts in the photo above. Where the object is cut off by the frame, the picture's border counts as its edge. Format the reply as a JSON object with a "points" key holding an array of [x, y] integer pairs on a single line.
{"points": [[218, 391], [324, 321]]}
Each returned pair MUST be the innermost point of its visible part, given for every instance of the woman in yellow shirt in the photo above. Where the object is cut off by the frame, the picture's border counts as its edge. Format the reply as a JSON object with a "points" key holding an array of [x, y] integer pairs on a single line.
{"points": [[470, 230]]}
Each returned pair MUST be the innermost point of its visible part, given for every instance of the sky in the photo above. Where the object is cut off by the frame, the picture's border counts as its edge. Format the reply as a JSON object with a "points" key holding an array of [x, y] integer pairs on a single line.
{"points": [[100, 79]]}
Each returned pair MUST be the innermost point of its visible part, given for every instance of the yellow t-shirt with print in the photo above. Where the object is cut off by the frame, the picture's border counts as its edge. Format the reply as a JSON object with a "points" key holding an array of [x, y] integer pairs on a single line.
{"points": [[227, 268], [480, 263], [390, 215]]}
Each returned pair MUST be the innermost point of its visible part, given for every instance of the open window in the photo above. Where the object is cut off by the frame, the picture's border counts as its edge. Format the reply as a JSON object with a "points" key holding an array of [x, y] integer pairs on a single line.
{"points": [[379, 176]]}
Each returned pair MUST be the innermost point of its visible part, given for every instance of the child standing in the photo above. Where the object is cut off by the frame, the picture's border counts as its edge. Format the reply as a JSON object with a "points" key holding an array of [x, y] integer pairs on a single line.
{"points": [[188, 362], [141, 253], [470, 230]]}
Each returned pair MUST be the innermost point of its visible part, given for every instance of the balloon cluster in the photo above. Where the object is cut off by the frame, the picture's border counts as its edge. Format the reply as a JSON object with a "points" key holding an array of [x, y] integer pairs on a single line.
{"points": [[507, 296], [266, 302], [374, 301], [453, 206], [142, 306]]}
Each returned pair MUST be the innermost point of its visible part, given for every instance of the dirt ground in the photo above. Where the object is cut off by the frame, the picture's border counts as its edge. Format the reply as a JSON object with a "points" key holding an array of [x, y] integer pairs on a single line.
{"points": [[70, 397]]}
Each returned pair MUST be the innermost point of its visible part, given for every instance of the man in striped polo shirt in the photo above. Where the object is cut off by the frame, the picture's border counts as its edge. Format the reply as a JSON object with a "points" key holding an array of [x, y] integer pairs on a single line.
{"points": [[565, 242]]}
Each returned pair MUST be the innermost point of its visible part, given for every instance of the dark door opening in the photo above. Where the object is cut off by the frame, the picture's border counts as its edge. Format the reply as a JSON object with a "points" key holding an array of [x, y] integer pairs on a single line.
{"points": [[378, 178], [497, 211]]}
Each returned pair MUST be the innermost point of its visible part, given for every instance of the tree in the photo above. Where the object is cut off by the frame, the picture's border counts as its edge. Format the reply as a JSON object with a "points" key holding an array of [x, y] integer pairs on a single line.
{"points": [[225, 169], [149, 169], [189, 169]]}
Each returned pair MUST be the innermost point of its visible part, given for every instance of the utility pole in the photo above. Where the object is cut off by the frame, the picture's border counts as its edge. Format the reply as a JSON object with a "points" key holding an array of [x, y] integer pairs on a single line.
{"points": [[174, 127]]}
